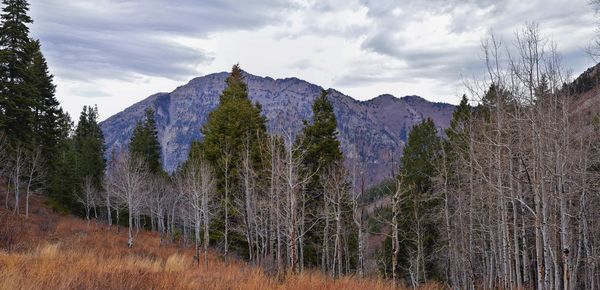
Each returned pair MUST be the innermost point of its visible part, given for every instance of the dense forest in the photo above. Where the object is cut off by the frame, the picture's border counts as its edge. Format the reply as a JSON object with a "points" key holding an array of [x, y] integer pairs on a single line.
{"points": [[506, 197]]}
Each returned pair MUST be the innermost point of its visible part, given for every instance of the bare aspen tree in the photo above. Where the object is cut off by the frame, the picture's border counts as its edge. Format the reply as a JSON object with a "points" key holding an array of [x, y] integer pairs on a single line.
{"points": [[275, 154], [225, 163], [35, 174], [198, 184], [129, 177], [158, 198], [87, 196], [208, 188], [18, 165], [335, 183], [5, 166], [245, 202], [293, 184]]}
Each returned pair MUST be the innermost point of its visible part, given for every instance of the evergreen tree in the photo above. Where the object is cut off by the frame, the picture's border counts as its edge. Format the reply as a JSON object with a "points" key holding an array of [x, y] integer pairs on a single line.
{"points": [[322, 149], [418, 231], [458, 130], [144, 142], [64, 179], [89, 146], [15, 106], [320, 142], [29, 112], [234, 123], [46, 111], [78, 154]]}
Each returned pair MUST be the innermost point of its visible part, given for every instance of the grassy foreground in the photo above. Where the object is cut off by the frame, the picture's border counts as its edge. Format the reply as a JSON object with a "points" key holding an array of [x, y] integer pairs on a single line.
{"points": [[49, 251]]}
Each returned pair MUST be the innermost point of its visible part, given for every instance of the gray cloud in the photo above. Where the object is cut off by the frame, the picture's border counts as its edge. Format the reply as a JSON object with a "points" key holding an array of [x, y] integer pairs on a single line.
{"points": [[449, 62], [123, 39], [119, 39], [89, 93]]}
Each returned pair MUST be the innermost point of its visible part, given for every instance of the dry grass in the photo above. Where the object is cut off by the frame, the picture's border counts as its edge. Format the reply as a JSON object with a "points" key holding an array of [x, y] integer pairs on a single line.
{"points": [[53, 252]]}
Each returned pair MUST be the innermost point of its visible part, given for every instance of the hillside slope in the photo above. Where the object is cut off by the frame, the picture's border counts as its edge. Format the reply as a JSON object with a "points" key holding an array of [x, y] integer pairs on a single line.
{"points": [[51, 251]]}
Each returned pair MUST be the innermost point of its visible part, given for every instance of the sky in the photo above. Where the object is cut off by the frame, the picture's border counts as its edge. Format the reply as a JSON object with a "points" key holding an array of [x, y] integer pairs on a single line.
{"points": [[114, 53]]}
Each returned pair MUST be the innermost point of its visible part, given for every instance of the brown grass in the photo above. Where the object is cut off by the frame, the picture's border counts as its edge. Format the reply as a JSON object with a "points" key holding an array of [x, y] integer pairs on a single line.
{"points": [[49, 251]]}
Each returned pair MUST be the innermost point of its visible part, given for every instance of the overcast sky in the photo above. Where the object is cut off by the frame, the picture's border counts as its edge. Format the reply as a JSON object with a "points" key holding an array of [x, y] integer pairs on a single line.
{"points": [[116, 52]]}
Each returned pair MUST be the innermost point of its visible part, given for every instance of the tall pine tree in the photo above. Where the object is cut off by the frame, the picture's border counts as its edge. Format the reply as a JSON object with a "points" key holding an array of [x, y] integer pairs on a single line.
{"points": [[319, 139], [15, 106], [322, 149], [64, 179], [47, 114], [419, 235], [89, 146], [234, 124], [144, 142]]}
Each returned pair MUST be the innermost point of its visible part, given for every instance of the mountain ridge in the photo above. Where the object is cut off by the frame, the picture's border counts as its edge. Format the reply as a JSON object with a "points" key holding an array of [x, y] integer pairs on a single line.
{"points": [[371, 132]]}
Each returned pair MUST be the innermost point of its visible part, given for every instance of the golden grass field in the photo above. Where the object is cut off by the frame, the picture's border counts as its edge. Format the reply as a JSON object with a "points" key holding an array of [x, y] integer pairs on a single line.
{"points": [[50, 251]]}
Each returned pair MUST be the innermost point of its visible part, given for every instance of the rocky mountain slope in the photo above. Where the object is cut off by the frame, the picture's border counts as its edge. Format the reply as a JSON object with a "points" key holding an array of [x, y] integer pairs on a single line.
{"points": [[372, 132]]}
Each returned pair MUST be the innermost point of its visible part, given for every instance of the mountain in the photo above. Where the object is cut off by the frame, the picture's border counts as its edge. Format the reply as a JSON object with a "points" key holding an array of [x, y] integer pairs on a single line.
{"points": [[372, 132], [586, 91]]}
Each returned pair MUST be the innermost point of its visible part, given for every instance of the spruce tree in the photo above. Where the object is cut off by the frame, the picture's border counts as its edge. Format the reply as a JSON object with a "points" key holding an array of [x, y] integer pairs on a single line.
{"points": [[15, 106], [457, 133], [234, 123], [46, 111], [418, 203], [63, 179], [460, 118], [320, 142], [89, 146], [322, 149], [144, 142]]}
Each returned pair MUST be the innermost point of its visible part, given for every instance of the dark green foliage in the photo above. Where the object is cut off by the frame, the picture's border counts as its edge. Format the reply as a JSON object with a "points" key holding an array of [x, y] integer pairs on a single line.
{"points": [[419, 206], [234, 125], [29, 112], [16, 115], [64, 180], [420, 155], [457, 133], [496, 98], [321, 149], [47, 115], [144, 142], [319, 141], [77, 155], [89, 146], [384, 188]]}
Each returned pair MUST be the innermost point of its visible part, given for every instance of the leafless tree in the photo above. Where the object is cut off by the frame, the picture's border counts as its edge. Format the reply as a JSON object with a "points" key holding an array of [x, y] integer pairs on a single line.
{"points": [[336, 191], [129, 177], [35, 174], [87, 196], [199, 191], [18, 163]]}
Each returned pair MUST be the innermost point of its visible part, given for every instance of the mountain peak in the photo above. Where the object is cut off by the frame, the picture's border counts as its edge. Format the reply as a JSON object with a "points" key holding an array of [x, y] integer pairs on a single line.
{"points": [[414, 98], [369, 135]]}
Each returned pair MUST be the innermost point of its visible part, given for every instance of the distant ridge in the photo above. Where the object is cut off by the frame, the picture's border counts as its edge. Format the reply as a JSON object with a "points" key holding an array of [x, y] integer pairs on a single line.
{"points": [[372, 132]]}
